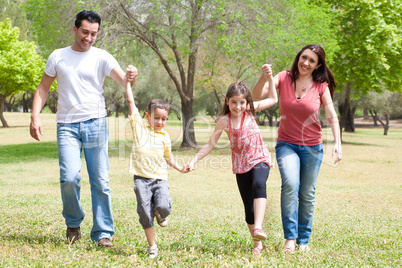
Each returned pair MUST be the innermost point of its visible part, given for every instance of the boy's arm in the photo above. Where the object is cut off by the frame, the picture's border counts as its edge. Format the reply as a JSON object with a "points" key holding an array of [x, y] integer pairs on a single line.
{"points": [[130, 99], [172, 162]]}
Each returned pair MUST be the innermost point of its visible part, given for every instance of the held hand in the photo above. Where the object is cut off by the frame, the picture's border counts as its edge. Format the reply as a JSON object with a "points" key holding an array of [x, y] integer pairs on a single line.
{"points": [[35, 129], [336, 153], [190, 167], [266, 71], [184, 169], [131, 73]]}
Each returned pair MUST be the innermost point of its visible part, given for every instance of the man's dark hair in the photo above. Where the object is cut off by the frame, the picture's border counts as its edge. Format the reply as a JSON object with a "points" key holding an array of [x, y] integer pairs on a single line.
{"points": [[88, 15]]}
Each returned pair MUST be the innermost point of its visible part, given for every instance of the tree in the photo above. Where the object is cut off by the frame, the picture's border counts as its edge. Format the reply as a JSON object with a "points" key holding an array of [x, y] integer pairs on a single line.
{"points": [[386, 103], [176, 31], [370, 49], [20, 66]]}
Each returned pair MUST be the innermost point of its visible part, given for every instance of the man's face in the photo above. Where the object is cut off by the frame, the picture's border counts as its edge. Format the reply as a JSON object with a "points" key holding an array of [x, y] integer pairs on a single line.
{"points": [[85, 36]]}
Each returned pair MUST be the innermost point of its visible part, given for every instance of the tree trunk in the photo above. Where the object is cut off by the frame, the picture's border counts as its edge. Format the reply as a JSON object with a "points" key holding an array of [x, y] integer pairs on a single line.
{"points": [[3, 120], [365, 114], [188, 125], [386, 127], [374, 116], [25, 107], [347, 117], [8, 106], [386, 124]]}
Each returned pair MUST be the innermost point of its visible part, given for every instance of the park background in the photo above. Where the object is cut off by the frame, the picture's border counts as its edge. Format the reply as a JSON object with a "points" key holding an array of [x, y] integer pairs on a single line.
{"points": [[188, 52]]}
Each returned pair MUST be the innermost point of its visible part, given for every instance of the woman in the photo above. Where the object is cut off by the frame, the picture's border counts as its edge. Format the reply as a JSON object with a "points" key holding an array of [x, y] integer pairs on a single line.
{"points": [[299, 150]]}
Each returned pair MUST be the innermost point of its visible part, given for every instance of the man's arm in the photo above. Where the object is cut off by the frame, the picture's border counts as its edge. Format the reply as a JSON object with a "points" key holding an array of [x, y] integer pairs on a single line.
{"points": [[38, 102], [122, 78]]}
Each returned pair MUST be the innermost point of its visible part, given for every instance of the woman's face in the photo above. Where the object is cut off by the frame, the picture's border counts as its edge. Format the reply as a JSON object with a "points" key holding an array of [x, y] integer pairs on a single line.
{"points": [[308, 62]]}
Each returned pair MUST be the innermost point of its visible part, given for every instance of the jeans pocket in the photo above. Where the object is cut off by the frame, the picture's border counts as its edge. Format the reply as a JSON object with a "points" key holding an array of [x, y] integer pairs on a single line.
{"points": [[101, 121], [279, 144], [317, 148]]}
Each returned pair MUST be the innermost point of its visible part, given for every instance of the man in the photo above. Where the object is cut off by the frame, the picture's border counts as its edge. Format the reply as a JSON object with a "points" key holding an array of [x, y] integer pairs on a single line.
{"points": [[80, 70]]}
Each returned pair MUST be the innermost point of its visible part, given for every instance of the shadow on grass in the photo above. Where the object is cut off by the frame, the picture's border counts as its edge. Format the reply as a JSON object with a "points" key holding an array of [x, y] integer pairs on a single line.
{"points": [[361, 143], [35, 239], [28, 152]]}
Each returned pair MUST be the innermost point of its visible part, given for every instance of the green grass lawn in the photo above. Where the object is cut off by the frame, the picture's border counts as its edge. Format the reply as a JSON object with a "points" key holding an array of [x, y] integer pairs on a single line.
{"points": [[357, 221]]}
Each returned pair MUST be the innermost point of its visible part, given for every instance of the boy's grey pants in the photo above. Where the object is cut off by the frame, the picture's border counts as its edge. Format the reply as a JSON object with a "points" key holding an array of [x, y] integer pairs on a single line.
{"points": [[151, 195]]}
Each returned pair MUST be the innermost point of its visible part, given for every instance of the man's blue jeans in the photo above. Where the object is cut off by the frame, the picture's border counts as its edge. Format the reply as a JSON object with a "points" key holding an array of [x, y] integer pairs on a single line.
{"points": [[299, 166], [92, 137]]}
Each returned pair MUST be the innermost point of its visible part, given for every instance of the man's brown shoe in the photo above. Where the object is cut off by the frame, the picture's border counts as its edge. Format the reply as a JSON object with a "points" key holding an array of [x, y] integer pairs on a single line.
{"points": [[105, 242], [73, 234]]}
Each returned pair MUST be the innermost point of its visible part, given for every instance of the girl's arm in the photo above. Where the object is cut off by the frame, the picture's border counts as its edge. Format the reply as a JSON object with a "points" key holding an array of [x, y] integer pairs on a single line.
{"points": [[333, 121], [130, 99], [207, 148], [272, 98], [261, 88]]}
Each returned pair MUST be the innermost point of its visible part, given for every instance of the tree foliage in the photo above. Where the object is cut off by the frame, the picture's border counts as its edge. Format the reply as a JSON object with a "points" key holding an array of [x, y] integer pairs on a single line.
{"points": [[174, 30], [11, 9], [50, 29], [370, 48], [20, 66], [240, 34]]}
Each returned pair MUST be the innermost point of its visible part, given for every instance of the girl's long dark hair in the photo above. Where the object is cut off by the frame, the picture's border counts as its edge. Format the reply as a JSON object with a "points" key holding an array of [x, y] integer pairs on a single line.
{"points": [[237, 89], [321, 74]]}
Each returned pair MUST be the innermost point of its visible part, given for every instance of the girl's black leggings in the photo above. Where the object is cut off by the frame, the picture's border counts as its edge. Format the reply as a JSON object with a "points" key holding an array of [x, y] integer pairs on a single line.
{"points": [[252, 184]]}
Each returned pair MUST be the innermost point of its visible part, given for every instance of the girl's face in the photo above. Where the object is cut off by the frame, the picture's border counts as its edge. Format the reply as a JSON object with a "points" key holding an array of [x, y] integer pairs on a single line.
{"points": [[237, 105], [308, 62]]}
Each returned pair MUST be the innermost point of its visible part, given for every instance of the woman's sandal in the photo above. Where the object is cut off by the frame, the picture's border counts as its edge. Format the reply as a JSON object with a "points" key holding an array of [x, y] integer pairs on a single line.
{"points": [[259, 235], [289, 250], [257, 250], [304, 248]]}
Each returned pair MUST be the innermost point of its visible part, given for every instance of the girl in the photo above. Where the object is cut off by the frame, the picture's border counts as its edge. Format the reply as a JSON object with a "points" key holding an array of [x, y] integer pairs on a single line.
{"points": [[250, 157]]}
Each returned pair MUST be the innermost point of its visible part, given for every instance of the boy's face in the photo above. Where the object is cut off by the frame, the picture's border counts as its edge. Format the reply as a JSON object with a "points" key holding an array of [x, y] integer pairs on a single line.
{"points": [[158, 118]]}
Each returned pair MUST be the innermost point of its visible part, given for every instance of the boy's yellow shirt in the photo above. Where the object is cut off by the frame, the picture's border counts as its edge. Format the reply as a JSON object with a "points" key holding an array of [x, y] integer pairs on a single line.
{"points": [[150, 151]]}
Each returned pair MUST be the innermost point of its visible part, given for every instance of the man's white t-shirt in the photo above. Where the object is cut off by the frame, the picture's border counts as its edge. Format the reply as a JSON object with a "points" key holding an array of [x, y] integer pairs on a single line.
{"points": [[80, 77]]}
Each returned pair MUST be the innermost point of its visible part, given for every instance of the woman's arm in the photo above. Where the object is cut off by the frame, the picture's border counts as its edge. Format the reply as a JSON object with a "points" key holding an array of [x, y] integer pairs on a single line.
{"points": [[334, 123], [207, 148]]}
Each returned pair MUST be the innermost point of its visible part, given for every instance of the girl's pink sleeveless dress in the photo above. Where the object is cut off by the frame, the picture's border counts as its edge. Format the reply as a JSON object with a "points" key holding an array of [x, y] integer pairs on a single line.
{"points": [[248, 148]]}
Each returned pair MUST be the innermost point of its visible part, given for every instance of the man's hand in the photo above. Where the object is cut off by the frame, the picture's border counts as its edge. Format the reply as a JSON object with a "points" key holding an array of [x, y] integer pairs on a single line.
{"points": [[131, 74], [35, 129]]}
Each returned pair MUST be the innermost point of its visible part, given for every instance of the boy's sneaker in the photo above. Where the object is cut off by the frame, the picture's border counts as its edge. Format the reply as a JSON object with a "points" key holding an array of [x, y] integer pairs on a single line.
{"points": [[163, 222], [152, 251]]}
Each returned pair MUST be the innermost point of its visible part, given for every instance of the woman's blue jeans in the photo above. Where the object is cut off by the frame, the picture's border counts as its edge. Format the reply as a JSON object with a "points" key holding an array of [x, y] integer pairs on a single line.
{"points": [[299, 166], [92, 137]]}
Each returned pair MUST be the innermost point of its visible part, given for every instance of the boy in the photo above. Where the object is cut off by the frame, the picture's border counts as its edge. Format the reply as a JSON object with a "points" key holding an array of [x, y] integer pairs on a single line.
{"points": [[149, 155]]}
